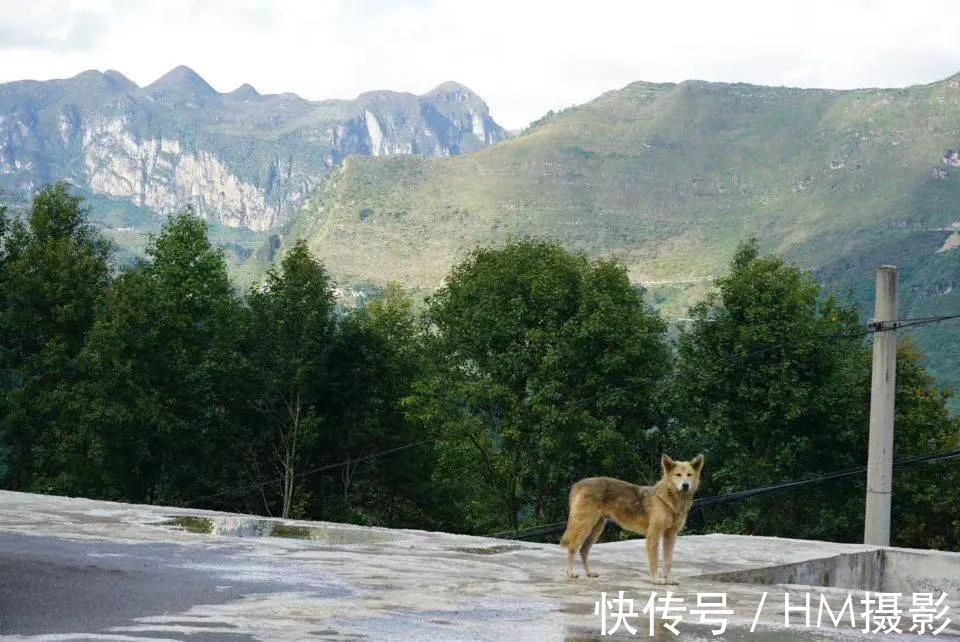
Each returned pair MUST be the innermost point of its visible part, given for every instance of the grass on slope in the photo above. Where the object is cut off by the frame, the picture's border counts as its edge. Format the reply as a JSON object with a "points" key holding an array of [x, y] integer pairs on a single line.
{"points": [[670, 178]]}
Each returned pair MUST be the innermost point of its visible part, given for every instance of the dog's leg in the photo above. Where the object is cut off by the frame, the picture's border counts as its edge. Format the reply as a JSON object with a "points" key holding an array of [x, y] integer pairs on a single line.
{"points": [[588, 544], [669, 541], [570, 571], [579, 527], [653, 553], [572, 541]]}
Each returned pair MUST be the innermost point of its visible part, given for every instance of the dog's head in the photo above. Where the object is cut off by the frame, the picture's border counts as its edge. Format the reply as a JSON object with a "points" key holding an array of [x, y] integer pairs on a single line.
{"points": [[684, 475]]}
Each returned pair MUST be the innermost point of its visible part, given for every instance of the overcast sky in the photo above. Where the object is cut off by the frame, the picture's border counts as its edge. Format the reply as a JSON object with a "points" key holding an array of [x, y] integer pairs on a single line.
{"points": [[523, 57]]}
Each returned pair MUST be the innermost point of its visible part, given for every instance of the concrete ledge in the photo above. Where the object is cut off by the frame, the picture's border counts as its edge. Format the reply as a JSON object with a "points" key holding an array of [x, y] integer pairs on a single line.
{"points": [[83, 569]]}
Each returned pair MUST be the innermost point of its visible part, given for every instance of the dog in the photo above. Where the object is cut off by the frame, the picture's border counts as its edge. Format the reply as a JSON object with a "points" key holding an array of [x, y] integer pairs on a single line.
{"points": [[658, 511]]}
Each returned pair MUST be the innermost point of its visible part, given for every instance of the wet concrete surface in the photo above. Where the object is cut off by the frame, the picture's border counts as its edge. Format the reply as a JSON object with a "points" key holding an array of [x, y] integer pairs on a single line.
{"points": [[74, 569], [61, 586]]}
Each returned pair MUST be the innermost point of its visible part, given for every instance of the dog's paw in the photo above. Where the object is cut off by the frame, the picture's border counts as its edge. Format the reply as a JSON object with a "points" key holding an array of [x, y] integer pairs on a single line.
{"points": [[670, 581], [593, 574], [573, 574], [658, 581]]}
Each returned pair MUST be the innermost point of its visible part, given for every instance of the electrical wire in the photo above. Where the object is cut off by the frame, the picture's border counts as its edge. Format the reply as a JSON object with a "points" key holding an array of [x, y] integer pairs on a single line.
{"points": [[730, 498], [312, 471], [905, 323]]}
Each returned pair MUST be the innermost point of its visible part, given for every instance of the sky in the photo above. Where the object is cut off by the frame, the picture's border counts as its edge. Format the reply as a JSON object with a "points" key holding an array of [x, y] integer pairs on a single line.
{"points": [[523, 57]]}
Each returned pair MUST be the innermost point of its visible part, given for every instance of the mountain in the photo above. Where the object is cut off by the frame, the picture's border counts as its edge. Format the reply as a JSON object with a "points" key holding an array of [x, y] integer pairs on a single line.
{"points": [[243, 159], [670, 178]]}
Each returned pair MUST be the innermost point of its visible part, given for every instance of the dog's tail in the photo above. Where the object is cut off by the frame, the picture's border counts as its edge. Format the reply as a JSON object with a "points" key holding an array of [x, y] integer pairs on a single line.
{"points": [[565, 540]]}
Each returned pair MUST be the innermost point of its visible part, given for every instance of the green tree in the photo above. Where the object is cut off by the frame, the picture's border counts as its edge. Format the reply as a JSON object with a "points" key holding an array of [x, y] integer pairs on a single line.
{"points": [[53, 270], [767, 385], [377, 355], [926, 500], [6, 373], [291, 330], [162, 364], [773, 381], [546, 369]]}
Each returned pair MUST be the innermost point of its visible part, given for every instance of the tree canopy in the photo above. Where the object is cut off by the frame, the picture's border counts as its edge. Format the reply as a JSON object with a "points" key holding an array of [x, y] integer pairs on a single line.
{"points": [[546, 368], [54, 270], [531, 367]]}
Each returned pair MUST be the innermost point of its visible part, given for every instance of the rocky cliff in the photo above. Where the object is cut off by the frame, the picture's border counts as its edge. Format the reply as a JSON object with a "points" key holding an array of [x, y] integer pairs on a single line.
{"points": [[240, 158]]}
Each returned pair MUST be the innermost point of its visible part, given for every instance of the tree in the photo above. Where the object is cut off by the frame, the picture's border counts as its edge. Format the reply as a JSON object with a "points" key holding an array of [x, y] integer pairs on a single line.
{"points": [[926, 500], [546, 369], [162, 365], [773, 381], [291, 329], [376, 356], [53, 271], [6, 380], [767, 385]]}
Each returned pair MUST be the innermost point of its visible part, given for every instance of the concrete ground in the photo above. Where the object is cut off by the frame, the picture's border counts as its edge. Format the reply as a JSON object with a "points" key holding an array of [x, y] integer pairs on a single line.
{"points": [[76, 569]]}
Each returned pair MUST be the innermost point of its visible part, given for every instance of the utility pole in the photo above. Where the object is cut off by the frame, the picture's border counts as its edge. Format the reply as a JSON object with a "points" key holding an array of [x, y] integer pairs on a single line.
{"points": [[882, 393]]}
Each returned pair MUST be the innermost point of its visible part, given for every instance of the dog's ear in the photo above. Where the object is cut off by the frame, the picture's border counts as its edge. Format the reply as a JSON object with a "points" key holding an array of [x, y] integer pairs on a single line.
{"points": [[697, 463], [667, 463]]}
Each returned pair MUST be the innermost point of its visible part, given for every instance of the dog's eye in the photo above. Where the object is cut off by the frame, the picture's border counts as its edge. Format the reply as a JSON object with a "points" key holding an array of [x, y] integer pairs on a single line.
{"points": [[678, 475]]}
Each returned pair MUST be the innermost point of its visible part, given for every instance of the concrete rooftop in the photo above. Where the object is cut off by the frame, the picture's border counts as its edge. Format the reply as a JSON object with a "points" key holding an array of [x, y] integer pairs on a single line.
{"points": [[76, 569]]}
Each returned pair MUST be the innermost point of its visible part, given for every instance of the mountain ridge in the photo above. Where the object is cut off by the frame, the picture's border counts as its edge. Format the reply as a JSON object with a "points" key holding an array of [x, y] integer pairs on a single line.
{"points": [[241, 158], [670, 177]]}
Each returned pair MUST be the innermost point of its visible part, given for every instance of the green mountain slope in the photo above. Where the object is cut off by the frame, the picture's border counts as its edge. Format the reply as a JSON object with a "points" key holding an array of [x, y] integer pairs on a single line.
{"points": [[670, 177]]}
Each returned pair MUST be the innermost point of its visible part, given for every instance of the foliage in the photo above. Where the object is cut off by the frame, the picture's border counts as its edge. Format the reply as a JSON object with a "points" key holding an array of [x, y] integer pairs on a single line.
{"points": [[376, 356], [289, 340], [671, 177], [161, 361], [773, 382], [767, 386], [53, 270], [925, 499], [530, 368], [547, 366]]}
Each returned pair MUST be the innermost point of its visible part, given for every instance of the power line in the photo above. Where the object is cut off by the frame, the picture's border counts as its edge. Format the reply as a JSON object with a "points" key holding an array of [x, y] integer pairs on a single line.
{"points": [[384, 452], [905, 323], [787, 344], [312, 471], [529, 533], [776, 489], [872, 328], [899, 321]]}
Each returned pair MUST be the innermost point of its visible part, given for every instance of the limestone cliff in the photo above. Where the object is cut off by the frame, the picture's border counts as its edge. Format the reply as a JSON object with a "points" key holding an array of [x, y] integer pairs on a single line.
{"points": [[240, 158]]}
